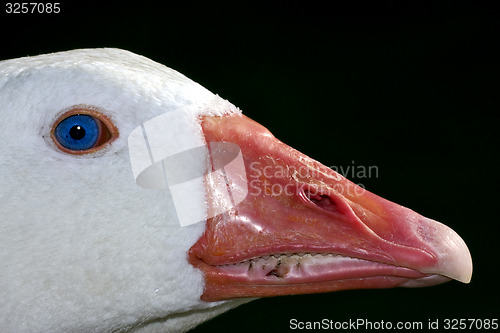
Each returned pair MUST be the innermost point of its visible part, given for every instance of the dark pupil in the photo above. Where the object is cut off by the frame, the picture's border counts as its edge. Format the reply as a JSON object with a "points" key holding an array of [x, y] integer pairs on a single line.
{"points": [[77, 132]]}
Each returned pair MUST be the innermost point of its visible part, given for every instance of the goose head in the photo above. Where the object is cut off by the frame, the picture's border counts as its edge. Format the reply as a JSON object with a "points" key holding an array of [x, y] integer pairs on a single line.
{"points": [[133, 199]]}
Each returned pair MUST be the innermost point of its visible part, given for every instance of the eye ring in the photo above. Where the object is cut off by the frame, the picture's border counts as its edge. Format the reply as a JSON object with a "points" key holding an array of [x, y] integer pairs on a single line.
{"points": [[101, 133]]}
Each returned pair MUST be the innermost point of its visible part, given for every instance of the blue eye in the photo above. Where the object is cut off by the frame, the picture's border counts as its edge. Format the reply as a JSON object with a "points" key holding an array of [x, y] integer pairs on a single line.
{"points": [[78, 132], [83, 130]]}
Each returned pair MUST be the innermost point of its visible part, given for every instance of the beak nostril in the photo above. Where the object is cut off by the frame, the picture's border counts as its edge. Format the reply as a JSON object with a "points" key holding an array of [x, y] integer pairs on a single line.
{"points": [[322, 200]]}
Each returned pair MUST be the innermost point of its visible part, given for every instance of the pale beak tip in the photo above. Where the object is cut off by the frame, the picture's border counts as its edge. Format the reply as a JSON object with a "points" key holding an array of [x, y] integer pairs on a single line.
{"points": [[463, 265], [462, 272], [454, 258], [458, 263]]}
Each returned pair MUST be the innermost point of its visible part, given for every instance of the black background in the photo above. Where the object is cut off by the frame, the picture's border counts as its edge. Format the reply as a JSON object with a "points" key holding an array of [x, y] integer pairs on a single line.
{"points": [[408, 87]]}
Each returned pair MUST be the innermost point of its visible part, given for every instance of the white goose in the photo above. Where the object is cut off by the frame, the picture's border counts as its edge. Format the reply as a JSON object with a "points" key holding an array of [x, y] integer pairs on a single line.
{"points": [[87, 244]]}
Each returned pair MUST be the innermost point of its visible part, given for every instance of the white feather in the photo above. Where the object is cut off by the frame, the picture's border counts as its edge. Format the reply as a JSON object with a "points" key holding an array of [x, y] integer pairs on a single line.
{"points": [[82, 247]]}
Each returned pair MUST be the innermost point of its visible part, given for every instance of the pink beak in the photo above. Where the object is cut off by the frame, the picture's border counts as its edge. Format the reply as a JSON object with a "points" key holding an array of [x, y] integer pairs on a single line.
{"points": [[303, 228]]}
